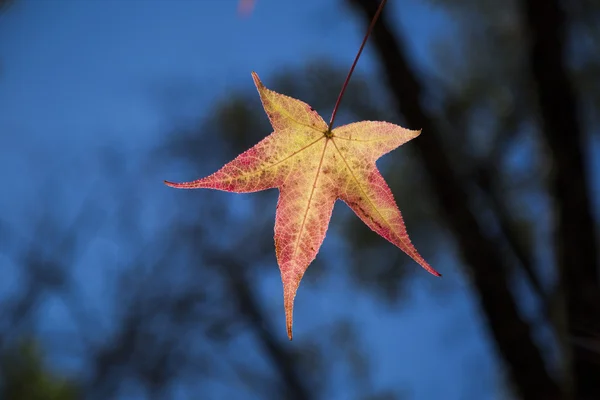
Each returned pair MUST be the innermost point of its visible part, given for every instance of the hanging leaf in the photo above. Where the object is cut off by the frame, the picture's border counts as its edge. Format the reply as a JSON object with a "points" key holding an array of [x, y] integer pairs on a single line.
{"points": [[313, 166]]}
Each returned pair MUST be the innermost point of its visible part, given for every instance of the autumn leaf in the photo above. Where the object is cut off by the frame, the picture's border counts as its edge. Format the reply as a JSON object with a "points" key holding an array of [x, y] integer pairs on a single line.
{"points": [[312, 167]]}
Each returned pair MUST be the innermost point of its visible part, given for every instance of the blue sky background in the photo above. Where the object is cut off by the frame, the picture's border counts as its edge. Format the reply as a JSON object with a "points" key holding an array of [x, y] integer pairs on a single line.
{"points": [[80, 76]]}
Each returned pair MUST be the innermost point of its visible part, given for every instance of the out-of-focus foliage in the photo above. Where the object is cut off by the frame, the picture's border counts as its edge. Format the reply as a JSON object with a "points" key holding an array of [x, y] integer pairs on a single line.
{"points": [[25, 376]]}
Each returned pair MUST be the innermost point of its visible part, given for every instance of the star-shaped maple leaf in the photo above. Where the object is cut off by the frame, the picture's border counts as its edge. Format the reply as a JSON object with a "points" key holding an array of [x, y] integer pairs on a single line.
{"points": [[312, 167]]}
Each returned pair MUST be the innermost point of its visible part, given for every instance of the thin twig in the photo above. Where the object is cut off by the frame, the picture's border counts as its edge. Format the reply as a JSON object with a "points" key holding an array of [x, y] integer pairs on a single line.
{"points": [[362, 46]]}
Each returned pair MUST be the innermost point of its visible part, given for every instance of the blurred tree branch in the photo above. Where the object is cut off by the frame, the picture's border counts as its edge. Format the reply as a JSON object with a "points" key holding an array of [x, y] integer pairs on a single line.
{"points": [[249, 307], [575, 236], [512, 334], [486, 180]]}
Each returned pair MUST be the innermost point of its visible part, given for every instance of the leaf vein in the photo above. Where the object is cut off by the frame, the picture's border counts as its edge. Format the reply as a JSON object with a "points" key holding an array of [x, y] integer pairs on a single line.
{"points": [[312, 192], [366, 196]]}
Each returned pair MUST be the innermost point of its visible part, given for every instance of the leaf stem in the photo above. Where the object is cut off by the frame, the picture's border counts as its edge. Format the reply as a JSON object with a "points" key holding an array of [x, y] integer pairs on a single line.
{"points": [[362, 46]]}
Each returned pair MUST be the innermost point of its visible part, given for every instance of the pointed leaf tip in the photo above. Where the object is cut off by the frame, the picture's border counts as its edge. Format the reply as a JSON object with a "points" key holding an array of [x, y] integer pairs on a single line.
{"points": [[182, 185], [257, 80], [290, 288], [427, 267], [289, 311], [177, 185]]}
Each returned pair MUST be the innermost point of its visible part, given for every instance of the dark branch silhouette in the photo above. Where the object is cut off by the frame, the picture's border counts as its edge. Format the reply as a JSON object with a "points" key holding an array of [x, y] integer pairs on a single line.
{"points": [[512, 335], [575, 238]]}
